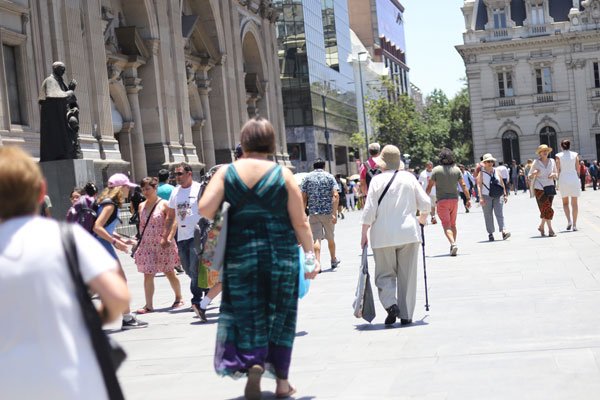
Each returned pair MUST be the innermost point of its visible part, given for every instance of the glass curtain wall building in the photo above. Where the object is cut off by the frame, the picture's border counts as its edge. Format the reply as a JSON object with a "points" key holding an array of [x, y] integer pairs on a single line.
{"points": [[317, 82]]}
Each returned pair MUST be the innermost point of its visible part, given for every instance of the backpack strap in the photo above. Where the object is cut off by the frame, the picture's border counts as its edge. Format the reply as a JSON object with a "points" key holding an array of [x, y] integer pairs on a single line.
{"points": [[113, 216]]}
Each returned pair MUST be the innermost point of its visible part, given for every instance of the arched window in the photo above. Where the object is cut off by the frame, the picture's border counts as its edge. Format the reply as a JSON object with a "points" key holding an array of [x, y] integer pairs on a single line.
{"points": [[510, 147], [548, 137]]}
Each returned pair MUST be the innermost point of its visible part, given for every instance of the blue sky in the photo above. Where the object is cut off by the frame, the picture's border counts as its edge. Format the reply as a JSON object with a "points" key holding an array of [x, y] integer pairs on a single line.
{"points": [[432, 29]]}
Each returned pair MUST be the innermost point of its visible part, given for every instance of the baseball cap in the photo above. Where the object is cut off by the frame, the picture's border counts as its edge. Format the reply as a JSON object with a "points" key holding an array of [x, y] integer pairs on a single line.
{"points": [[120, 180]]}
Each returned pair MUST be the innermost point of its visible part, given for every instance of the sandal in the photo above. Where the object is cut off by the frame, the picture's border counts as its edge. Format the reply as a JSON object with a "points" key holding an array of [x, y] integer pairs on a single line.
{"points": [[542, 231], [144, 310], [289, 393], [177, 304], [551, 234]]}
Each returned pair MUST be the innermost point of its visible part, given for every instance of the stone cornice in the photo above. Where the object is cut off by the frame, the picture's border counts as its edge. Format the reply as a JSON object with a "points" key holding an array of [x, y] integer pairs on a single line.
{"points": [[263, 8], [523, 43], [12, 7]]}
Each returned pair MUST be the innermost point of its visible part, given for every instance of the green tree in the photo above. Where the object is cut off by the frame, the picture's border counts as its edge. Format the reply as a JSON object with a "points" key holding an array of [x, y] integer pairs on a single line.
{"points": [[461, 134], [442, 123]]}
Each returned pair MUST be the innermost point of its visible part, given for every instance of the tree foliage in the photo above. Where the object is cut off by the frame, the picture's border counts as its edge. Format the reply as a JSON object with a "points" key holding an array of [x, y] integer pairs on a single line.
{"points": [[442, 123]]}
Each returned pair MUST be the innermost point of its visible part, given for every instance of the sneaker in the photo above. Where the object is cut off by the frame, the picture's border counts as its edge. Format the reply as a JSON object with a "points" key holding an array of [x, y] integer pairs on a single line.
{"points": [[200, 312], [453, 250], [335, 264], [134, 323], [490, 238], [393, 312], [505, 235]]}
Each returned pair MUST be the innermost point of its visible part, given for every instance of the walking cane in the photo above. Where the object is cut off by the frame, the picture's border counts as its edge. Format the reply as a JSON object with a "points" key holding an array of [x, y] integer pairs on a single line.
{"points": [[424, 266]]}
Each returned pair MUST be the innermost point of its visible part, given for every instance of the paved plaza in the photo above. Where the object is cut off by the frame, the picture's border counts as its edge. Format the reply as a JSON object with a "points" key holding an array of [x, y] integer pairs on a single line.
{"points": [[516, 319]]}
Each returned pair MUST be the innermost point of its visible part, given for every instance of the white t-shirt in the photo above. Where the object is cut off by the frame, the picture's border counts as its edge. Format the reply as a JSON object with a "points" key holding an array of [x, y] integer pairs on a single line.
{"points": [[503, 171], [424, 178], [45, 350], [185, 203]]}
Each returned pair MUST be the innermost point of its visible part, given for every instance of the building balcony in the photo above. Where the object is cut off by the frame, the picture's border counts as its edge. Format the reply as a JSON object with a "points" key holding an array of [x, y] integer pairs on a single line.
{"points": [[499, 34], [538, 30], [506, 102], [544, 98]]}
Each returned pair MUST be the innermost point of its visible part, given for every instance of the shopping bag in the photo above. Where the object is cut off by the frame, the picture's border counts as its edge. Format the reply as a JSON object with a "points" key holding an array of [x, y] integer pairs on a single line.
{"points": [[364, 304], [303, 283]]}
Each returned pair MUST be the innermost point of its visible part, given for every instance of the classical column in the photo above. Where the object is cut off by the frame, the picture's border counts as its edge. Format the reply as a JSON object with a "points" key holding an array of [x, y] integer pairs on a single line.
{"points": [[208, 140], [138, 149]]}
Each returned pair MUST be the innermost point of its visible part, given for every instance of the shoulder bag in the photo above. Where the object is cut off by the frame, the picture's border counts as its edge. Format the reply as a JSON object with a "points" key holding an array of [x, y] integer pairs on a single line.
{"points": [[550, 190], [109, 354], [134, 249]]}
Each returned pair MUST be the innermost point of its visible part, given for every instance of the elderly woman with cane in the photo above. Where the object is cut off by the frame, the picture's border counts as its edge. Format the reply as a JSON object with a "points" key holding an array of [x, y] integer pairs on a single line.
{"points": [[390, 214], [544, 172]]}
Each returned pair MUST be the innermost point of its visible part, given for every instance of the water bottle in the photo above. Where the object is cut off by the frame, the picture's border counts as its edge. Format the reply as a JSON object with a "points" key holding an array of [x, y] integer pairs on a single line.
{"points": [[309, 262]]}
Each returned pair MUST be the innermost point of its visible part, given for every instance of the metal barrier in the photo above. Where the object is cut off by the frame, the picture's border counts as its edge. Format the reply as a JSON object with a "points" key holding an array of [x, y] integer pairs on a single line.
{"points": [[125, 228]]}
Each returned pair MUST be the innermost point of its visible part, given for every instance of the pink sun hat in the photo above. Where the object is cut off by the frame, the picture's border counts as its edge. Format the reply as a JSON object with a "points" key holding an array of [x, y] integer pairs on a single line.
{"points": [[120, 180]]}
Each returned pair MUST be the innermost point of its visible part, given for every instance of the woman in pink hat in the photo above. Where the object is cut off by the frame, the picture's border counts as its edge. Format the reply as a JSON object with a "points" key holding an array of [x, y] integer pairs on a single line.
{"points": [[109, 202]]}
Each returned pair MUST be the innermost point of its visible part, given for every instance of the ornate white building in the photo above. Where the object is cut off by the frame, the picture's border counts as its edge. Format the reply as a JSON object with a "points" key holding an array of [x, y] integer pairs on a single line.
{"points": [[159, 81], [533, 73]]}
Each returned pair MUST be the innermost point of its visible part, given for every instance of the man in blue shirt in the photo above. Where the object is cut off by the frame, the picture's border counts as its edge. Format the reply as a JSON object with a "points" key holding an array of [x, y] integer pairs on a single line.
{"points": [[164, 189], [321, 195]]}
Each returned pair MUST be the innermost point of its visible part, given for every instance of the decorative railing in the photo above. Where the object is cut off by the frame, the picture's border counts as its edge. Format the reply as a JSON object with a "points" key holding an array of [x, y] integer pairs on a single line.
{"points": [[506, 102], [500, 33], [538, 30], [545, 98]]}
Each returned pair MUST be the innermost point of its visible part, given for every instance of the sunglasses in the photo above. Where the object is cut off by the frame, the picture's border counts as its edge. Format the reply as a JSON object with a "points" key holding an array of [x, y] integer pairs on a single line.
{"points": [[180, 173]]}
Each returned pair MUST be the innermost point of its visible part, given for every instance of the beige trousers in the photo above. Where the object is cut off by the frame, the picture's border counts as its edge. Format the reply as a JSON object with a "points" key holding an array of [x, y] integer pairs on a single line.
{"points": [[396, 277]]}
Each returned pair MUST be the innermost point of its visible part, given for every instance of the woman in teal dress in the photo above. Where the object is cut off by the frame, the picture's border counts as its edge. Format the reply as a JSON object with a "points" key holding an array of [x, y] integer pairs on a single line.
{"points": [[259, 305]]}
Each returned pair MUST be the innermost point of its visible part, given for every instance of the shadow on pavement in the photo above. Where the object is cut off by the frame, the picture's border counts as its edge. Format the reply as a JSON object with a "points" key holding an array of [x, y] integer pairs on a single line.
{"points": [[382, 327], [271, 395]]}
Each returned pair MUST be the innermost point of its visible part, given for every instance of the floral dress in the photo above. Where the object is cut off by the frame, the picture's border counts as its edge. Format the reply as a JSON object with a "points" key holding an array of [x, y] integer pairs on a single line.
{"points": [[150, 257]]}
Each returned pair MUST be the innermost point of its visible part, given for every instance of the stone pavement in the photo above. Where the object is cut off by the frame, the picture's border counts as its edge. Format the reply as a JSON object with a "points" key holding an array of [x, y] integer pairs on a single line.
{"points": [[508, 320]]}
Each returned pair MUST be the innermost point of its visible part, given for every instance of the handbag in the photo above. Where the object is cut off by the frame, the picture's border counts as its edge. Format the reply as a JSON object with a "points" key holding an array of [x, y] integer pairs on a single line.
{"points": [[213, 252], [550, 190], [134, 248], [109, 354]]}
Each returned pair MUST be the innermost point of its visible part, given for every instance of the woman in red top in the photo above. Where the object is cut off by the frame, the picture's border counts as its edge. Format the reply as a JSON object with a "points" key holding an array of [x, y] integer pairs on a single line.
{"points": [[582, 173]]}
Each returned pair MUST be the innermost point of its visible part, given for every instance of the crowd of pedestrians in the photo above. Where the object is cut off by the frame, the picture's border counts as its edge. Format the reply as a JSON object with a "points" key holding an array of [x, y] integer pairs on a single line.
{"points": [[273, 222]]}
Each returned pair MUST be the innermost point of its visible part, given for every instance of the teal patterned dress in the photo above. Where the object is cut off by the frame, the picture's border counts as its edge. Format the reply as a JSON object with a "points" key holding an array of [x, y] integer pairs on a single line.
{"points": [[259, 304]]}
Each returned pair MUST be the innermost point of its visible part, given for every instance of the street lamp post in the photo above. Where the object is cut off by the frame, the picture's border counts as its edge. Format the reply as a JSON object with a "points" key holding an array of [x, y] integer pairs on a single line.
{"points": [[362, 97], [326, 131]]}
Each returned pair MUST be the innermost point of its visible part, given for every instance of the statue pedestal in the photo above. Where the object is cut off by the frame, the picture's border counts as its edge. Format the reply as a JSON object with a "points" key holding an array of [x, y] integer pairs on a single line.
{"points": [[62, 176]]}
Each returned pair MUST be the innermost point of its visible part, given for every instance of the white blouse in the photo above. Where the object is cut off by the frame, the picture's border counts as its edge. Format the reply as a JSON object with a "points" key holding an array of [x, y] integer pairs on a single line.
{"points": [[544, 171], [394, 221]]}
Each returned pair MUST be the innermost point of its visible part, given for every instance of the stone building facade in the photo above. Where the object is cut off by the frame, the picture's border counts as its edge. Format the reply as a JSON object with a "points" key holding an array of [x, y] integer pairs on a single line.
{"points": [[533, 73], [159, 81]]}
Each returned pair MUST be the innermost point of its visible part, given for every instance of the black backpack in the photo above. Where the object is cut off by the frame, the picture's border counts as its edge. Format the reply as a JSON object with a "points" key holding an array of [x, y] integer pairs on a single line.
{"points": [[371, 172], [495, 189]]}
